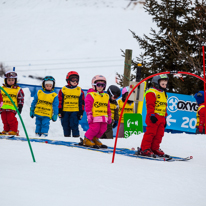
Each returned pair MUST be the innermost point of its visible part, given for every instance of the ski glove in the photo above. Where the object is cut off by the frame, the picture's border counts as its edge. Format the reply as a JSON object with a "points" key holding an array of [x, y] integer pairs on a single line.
{"points": [[61, 113], [89, 119], [153, 118], [31, 113], [115, 124], [20, 106], [54, 118], [80, 114]]}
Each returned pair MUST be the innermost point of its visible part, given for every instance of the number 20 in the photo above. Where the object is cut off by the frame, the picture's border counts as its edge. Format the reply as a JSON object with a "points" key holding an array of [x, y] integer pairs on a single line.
{"points": [[191, 124]]}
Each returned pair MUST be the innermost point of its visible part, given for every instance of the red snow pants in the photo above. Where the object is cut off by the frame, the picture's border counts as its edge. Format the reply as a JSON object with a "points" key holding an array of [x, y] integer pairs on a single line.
{"points": [[9, 120], [154, 133]]}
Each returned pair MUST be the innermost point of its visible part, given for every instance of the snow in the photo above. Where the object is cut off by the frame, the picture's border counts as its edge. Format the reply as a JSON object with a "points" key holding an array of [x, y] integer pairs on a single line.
{"points": [[53, 37]]}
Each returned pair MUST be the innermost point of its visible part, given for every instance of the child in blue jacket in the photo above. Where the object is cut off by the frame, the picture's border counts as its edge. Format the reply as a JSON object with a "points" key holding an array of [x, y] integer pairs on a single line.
{"points": [[45, 106]]}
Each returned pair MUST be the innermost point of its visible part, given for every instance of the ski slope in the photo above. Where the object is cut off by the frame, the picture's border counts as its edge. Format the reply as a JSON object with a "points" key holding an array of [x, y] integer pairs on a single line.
{"points": [[53, 37]]}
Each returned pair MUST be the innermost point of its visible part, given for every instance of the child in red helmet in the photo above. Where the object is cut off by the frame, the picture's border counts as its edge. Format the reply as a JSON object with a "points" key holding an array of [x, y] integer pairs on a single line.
{"points": [[8, 110], [98, 111], [71, 105]]}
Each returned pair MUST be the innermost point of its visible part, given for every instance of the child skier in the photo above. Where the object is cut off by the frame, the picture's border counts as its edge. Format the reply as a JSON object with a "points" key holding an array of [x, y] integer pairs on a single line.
{"points": [[71, 105], [156, 103], [8, 110], [97, 107], [129, 108], [45, 106], [199, 96], [113, 92]]}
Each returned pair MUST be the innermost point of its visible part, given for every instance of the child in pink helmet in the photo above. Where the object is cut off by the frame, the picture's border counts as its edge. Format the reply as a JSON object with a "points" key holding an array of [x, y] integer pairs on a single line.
{"points": [[98, 112]]}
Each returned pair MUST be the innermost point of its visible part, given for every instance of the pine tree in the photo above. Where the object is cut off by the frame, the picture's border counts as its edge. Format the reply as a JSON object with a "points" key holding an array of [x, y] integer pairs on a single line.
{"points": [[176, 44]]}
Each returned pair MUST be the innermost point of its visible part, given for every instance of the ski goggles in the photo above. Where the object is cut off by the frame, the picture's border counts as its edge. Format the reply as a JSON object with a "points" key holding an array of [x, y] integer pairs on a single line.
{"points": [[98, 84], [74, 79], [11, 75], [49, 78]]}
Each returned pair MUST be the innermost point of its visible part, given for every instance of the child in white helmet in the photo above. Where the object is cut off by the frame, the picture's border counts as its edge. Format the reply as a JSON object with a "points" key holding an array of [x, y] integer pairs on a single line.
{"points": [[98, 112], [8, 110], [45, 106]]}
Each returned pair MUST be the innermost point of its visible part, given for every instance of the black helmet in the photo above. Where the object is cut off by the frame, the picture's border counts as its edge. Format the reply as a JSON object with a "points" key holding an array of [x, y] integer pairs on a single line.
{"points": [[156, 80], [114, 91], [47, 79]]}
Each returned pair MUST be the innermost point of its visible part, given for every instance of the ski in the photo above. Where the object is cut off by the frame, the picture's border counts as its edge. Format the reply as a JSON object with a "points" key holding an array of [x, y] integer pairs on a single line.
{"points": [[109, 150], [5, 136], [166, 157]]}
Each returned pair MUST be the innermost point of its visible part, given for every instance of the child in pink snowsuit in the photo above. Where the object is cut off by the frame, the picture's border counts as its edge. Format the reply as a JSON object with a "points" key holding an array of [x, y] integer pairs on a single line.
{"points": [[98, 112]]}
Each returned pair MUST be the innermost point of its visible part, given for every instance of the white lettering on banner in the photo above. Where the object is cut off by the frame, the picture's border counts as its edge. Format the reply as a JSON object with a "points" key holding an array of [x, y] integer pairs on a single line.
{"points": [[191, 124], [129, 133], [169, 120]]}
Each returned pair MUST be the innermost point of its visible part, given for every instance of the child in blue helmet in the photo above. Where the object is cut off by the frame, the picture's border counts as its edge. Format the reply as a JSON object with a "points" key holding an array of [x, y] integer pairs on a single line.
{"points": [[45, 106], [199, 96]]}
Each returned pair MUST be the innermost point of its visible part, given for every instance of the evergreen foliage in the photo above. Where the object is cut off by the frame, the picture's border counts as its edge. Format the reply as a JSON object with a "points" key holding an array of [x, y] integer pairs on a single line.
{"points": [[177, 45]]}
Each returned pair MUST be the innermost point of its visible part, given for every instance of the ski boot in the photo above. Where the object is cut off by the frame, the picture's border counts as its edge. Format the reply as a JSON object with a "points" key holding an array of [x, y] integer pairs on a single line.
{"points": [[98, 143]]}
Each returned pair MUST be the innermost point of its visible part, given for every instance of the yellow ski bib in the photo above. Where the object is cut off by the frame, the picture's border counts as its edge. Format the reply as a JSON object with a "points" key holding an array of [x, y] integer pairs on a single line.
{"points": [[13, 92], [100, 104], [112, 108], [44, 104], [127, 109], [71, 99], [161, 101]]}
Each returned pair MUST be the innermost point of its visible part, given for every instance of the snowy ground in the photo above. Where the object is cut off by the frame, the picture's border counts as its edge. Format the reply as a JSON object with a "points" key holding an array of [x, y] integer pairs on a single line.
{"points": [[54, 37]]}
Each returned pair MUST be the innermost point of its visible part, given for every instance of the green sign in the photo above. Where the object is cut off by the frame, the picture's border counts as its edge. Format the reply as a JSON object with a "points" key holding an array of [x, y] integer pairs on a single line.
{"points": [[132, 124]]}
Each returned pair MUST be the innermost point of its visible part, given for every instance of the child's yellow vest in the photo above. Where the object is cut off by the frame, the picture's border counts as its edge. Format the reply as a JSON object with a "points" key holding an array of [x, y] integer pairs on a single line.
{"points": [[71, 99], [44, 104], [128, 108], [13, 92], [161, 101], [100, 104]]}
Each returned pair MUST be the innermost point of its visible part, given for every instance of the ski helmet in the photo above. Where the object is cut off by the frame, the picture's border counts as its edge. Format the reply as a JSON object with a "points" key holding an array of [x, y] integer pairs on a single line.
{"points": [[72, 75], [48, 80], [97, 78], [199, 96], [114, 91], [156, 80], [124, 90], [10, 74]]}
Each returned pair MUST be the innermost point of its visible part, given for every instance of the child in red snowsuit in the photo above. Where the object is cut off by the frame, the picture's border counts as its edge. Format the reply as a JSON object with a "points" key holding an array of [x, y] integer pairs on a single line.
{"points": [[8, 110], [156, 103], [199, 96]]}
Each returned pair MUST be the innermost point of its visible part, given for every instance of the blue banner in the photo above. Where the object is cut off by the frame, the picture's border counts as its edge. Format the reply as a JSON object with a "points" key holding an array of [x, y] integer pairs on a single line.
{"points": [[181, 110]]}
